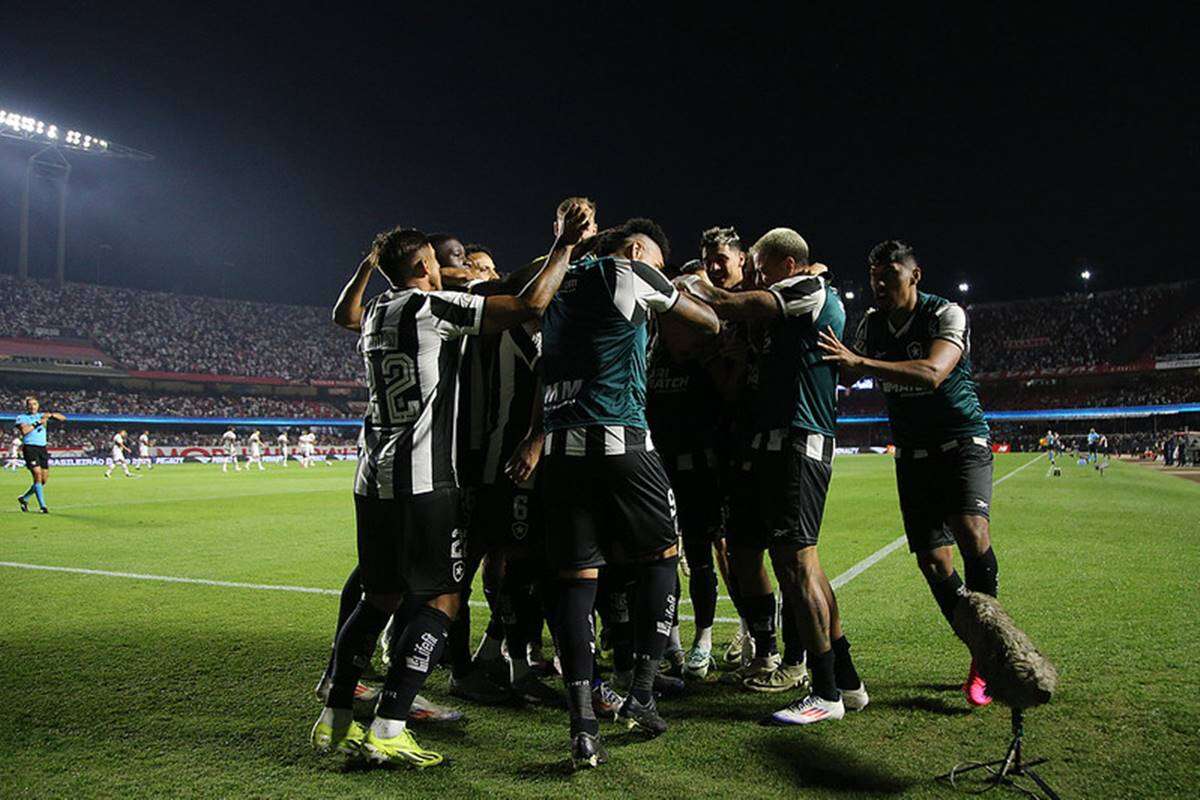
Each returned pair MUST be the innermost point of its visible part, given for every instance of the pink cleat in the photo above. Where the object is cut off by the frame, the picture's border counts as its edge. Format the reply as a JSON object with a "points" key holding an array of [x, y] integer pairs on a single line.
{"points": [[975, 688]]}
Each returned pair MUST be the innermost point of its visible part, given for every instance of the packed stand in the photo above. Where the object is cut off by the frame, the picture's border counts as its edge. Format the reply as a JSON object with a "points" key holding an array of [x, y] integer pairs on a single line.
{"points": [[173, 405], [160, 331], [1183, 338], [1076, 330]]}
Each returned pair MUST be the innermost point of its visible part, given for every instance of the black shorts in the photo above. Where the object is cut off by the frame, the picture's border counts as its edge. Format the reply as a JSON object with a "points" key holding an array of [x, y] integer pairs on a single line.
{"points": [[779, 496], [699, 496], [600, 508], [412, 545], [506, 515], [942, 483], [36, 455]]}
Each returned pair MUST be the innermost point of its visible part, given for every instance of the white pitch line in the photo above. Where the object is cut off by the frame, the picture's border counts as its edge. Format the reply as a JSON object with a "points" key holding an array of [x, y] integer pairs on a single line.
{"points": [[837, 583], [898, 542], [261, 587]]}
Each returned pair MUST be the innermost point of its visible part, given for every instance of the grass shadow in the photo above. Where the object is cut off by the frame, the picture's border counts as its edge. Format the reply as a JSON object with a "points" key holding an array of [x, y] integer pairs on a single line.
{"points": [[932, 705], [816, 765]]}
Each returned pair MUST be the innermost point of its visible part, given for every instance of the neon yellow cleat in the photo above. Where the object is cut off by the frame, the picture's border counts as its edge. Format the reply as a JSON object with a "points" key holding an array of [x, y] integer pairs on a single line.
{"points": [[347, 741], [401, 749]]}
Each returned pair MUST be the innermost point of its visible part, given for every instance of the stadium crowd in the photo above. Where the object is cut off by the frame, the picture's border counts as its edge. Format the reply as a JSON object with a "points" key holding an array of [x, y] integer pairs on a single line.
{"points": [[97, 440], [172, 405], [1076, 330], [160, 331]]}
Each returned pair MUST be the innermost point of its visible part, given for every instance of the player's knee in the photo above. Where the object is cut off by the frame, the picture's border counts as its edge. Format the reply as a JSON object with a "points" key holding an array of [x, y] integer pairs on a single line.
{"points": [[972, 534], [936, 564], [449, 604]]}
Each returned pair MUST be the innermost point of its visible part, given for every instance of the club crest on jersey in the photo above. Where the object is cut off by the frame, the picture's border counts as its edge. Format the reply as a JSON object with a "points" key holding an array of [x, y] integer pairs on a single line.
{"points": [[915, 350], [520, 530]]}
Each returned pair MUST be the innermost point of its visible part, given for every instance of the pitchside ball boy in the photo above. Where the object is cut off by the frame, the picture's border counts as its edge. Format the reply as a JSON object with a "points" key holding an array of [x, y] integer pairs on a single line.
{"points": [[918, 346]]}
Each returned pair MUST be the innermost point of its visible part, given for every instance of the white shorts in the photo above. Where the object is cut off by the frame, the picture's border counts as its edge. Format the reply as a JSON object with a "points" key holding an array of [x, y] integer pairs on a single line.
{"points": [[143, 452], [118, 455]]}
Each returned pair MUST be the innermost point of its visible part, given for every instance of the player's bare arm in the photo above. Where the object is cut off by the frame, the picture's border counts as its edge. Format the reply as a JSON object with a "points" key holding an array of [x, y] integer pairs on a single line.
{"points": [[524, 460], [348, 310], [501, 312], [928, 372]]}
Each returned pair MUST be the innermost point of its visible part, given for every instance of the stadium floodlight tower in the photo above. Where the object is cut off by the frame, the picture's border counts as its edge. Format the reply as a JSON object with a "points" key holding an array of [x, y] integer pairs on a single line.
{"points": [[50, 163]]}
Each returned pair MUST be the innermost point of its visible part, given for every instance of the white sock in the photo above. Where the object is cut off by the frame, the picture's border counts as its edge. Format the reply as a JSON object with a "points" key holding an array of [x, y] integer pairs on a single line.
{"points": [[673, 643], [489, 649], [704, 638], [745, 627], [385, 728]]}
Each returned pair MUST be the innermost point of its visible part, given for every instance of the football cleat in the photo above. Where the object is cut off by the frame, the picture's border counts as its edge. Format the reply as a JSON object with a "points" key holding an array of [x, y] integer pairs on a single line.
{"points": [[672, 663], [666, 686], [642, 717], [740, 641], [783, 679], [400, 749], [326, 738], [810, 710], [587, 752], [606, 703], [855, 699], [23, 503], [362, 692], [423, 710], [975, 687], [534, 692], [477, 687], [44, 510], [755, 667], [697, 664]]}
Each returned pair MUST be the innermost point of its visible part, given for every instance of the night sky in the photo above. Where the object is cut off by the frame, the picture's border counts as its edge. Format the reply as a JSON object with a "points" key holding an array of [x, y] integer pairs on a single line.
{"points": [[1009, 150]]}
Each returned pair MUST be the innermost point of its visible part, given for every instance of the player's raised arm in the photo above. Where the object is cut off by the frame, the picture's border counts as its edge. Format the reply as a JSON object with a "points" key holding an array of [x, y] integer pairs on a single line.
{"points": [[504, 311], [348, 310]]}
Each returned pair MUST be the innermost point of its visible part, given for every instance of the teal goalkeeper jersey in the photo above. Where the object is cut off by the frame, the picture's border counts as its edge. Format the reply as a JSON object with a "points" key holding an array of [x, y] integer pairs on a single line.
{"points": [[921, 416], [594, 338]]}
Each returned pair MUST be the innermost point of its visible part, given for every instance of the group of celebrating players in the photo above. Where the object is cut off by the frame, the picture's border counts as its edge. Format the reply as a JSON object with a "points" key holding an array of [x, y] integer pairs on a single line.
{"points": [[574, 424]]}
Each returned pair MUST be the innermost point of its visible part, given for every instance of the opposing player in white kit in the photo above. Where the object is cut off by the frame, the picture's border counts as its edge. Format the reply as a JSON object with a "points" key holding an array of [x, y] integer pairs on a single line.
{"points": [[308, 442], [255, 451], [119, 449], [283, 447], [14, 455], [229, 441], [144, 456]]}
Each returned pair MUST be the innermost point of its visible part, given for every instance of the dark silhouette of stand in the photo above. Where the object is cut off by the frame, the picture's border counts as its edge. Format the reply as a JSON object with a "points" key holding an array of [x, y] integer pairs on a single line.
{"points": [[1008, 771]]}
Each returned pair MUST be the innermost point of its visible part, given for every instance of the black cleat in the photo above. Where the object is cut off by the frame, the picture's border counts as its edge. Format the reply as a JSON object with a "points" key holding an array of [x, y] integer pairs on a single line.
{"points": [[24, 505], [45, 510], [668, 686], [643, 717], [533, 691], [587, 752]]}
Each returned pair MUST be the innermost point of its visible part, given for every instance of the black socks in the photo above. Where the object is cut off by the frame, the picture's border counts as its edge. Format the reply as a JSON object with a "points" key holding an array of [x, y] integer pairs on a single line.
{"points": [[823, 679], [417, 652], [352, 651], [982, 572], [946, 593], [844, 674], [760, 615], [576, 642], [657, 605]]}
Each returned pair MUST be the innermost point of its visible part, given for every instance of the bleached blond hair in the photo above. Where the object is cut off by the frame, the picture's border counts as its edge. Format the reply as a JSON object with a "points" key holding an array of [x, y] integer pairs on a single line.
{"points": [[779, 243]]}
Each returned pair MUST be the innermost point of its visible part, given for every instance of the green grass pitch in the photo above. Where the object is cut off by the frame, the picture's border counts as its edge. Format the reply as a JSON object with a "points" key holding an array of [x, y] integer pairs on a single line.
{"points": [[132, 688]]}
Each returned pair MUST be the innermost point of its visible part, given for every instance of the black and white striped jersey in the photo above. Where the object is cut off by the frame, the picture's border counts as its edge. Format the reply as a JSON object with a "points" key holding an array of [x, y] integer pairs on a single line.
{"points": [[410, 343], [510, 408]]}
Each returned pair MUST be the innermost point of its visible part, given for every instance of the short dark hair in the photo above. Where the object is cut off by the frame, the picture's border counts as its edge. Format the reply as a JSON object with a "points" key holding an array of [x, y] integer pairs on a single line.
{"points": [[717, 236], [392, 250], [436, 240], [586, 202], [611, 241], [473, 248], [891, 250]]}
